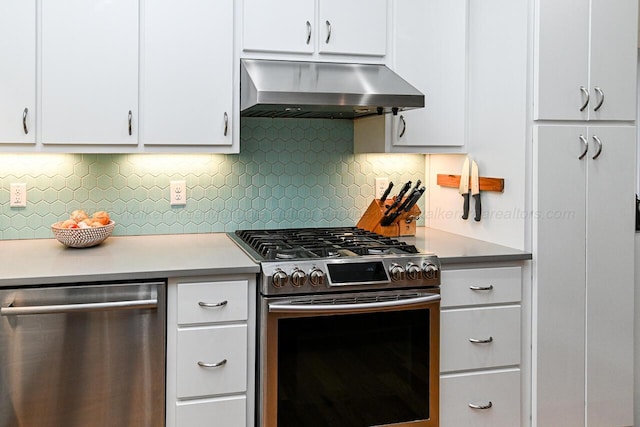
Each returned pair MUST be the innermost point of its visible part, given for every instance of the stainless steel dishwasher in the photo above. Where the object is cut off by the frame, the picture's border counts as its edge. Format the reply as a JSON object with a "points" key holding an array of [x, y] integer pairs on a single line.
{"points": [[83, 355]]}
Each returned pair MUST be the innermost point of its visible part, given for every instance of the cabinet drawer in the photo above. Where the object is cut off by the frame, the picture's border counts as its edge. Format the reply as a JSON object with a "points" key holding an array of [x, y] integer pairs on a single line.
{"points": [[481, 286], [232, 298], [212, 345], [501, 388], [225, 411], [500, 325]]}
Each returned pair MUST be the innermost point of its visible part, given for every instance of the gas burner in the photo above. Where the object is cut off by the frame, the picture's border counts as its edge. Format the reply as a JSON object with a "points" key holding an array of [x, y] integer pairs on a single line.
{"points": [[338, 242], [336, 260]]}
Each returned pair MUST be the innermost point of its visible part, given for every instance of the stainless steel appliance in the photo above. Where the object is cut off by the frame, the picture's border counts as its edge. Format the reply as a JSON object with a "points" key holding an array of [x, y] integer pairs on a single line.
{"points": [[90, 355], [349, 329], [301, 89]]}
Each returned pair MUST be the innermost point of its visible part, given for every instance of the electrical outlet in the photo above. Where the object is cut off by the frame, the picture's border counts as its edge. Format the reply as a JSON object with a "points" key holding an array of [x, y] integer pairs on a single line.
{"points": [[381, 185], [178, 196], [18, 195]]}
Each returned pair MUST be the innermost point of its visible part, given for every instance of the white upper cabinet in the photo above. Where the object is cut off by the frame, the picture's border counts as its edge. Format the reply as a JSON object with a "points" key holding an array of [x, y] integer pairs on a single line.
{"points": [[352, 27], [89, 72], [187, 74], [18, 71], [279, 26], [309, 27], [430, 49], [585, 59]]}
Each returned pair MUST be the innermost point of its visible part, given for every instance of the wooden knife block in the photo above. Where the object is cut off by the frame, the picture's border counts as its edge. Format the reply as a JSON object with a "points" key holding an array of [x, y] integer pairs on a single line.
{"points": [[403, 225]]}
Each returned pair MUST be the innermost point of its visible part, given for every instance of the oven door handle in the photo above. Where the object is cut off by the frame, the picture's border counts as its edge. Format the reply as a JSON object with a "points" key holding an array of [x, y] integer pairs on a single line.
{"points": [[290, 307]]}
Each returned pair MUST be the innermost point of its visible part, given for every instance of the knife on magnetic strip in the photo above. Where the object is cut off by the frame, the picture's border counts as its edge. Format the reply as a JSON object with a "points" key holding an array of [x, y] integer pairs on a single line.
{"points": [[475, 190], [464, 188]]}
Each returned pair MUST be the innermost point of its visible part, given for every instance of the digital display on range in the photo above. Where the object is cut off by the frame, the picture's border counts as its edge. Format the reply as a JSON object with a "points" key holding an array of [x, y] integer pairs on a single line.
{"points": [[354, 273]]}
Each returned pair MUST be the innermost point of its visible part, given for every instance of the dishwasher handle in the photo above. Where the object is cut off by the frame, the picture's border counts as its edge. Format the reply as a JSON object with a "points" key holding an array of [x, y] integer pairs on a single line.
{"points": [[79, 308]]}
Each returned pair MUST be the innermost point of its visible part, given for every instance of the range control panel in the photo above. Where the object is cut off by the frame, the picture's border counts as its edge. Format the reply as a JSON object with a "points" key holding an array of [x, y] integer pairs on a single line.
{"points": [[366, 273]]}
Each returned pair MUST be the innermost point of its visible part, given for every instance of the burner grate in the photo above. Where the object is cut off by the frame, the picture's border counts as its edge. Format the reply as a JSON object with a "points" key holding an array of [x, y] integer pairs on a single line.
{"points": [[335, 242]]}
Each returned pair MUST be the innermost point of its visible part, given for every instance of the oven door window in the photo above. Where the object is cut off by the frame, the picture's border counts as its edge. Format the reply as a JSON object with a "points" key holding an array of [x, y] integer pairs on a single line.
{"points": [[353, 370]]}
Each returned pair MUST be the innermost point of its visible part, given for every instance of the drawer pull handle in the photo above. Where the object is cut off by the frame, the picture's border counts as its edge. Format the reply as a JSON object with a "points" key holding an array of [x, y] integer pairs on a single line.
{"points": [[484, 341], [24, 120], [212, 304], [481, 288], [482, 407], [213, 365], [585, 92]]}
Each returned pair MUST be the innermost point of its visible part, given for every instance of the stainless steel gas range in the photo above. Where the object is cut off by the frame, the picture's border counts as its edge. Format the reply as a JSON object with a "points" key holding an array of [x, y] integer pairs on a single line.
{"points": [[348, 328]]}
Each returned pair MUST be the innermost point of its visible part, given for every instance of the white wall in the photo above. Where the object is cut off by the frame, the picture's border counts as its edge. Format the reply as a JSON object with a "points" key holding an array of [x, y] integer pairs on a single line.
{"points": [[497, 127]]}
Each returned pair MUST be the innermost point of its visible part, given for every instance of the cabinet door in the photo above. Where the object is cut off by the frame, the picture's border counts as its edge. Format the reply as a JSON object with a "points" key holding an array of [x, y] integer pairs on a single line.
{"points": [[559, 289], [614, 29], [465, 398], [188, 73], [482, 337], [18, 71], [610, 276], [223, 411], [561, 54], [89, 71], [430, 46], [225, 346], [279, 26], [478, 286], [352, 27]]}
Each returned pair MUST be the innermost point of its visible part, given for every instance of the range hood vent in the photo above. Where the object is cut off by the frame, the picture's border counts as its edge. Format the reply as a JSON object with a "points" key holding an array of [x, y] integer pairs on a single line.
{"points": [[298, 89]]}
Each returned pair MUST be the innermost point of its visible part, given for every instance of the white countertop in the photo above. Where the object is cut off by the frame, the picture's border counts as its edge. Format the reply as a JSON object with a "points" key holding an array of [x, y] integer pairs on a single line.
{"points": [[46, 261]]}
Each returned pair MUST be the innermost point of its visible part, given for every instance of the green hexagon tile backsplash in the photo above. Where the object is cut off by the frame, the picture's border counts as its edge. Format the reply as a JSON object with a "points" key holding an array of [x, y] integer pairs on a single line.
{"points": [[290, 173]]}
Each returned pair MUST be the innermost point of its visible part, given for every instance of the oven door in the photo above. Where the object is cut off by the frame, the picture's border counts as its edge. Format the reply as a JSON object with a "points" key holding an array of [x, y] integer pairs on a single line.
{"points": [[354, 360]]}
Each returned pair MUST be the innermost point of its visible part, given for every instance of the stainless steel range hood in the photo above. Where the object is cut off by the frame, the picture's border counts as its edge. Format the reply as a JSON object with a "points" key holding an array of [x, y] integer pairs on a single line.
{"points": [[322, 90]]}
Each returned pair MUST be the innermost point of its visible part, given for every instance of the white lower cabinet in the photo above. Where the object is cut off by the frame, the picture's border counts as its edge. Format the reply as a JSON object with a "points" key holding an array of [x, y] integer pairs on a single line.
{"points": [[212, 360], [211, 351], [480, 347], [485, 398], [226, 411], [475, 338]]}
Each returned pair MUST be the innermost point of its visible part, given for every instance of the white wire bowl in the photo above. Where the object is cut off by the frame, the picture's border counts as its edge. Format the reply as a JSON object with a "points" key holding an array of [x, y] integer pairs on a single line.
{"points": [[82, 237]]}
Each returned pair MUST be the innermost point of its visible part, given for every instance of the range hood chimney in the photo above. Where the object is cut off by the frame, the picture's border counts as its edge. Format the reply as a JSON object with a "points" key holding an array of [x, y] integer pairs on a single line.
{"points": [[299, 89]]}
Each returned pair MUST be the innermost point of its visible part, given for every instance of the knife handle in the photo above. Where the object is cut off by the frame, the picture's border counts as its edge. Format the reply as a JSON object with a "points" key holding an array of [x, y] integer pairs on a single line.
{"points": [[478, 206], [465, 206]]}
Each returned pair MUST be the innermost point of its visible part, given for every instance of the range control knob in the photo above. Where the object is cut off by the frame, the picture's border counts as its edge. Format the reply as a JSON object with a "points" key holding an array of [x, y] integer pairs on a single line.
{"points": [[316, 277], [429, 270], [413, 271], [298, 277], [396, 272], [279, 278]]}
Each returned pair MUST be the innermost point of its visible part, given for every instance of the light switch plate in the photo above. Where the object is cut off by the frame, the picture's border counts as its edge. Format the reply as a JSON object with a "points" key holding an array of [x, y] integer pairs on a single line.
{"points": [[178, 193], [18, 195]]}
